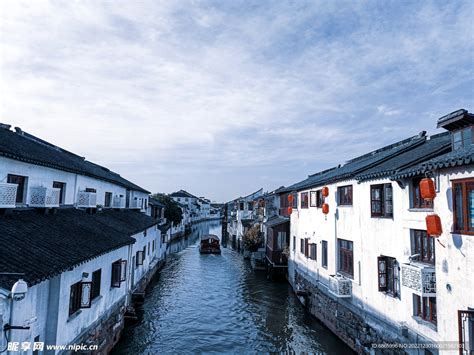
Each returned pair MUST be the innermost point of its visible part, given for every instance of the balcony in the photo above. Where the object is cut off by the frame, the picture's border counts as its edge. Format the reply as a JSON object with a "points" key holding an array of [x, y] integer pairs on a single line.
{"points": [[86, 199], [7, 195], [340, 286], [118, 201], [135, 203], [45, 197], [420, 278]]}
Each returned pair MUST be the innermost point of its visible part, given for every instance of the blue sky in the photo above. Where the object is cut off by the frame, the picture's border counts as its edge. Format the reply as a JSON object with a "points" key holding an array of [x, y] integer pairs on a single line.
{"points": [[224, 97]]}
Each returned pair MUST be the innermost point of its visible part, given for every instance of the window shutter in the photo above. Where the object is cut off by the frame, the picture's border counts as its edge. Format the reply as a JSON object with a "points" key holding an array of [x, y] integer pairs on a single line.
{"points": [[306, 245], [116, 266], [86, 288], [123, 270], [396, 279], [382, 271]]}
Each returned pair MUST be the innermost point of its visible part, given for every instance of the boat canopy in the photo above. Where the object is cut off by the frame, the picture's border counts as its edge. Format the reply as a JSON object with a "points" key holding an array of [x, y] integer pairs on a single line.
{"points": [[209, 236]]}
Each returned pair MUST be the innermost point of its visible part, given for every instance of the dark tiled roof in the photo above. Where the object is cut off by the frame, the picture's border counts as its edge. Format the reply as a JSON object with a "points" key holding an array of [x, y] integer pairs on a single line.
{"points": [[277, 220], [42, 246], [357, 165], [449, 160], [27, 148], [182, 193], [154, 202], [433, 147]]}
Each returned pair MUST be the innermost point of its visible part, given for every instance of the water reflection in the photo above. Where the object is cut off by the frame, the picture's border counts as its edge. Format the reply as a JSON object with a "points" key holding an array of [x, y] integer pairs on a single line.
{"points": [[216, 303]]}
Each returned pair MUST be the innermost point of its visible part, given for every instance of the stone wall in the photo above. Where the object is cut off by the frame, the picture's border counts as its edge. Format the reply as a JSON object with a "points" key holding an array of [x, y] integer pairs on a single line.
{"points": [[356, 327], [106, 331]]}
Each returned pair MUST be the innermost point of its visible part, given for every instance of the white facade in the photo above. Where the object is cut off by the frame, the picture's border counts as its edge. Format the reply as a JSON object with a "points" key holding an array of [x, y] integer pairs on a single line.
{"points": [[373, 237]]}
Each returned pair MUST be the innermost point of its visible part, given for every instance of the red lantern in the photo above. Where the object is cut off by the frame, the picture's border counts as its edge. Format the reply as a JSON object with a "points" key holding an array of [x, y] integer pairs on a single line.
{"points": [[433, 225], [325, 207], [427, 189], [325, 191], [290, 210], [290, 199]]}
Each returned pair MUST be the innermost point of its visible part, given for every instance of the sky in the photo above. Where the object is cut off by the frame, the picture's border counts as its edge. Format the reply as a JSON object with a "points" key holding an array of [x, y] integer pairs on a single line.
{"points": [[221, 98]]}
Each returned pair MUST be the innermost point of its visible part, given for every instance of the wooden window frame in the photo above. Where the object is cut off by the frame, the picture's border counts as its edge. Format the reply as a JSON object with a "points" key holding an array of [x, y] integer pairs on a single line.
{"points": [[416, 201], [345, 266], [62, 190], [388, 270], [76, 301], [119, 273], [108, 199], [382, 188], [341, 191], [20, 197], [313, 251], [426, 308], [139, 257], [304, 200], [90, 189], [422, 243], [465, 185], [302, 246], [96, 282], [324, 254]]}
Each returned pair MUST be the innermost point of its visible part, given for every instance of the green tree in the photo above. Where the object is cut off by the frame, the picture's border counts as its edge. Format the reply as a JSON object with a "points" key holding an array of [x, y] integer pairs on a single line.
{"points": [[173, 212]]}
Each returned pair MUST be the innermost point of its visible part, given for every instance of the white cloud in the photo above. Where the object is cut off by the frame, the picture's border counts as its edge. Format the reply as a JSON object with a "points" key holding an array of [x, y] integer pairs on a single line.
{"points": [[143, 86]]}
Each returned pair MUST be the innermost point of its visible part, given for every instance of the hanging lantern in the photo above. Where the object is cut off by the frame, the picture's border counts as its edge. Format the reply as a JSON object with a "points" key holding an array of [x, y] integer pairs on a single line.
{"points": [[433, 225], [325, 191], [427, 189], [325, 208], [290, 210], [290, 199]]}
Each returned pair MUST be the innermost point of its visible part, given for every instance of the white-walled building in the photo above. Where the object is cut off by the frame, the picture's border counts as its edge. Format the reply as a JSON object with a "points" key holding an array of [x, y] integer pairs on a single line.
{"points": [[80, 237], [368, 268]]}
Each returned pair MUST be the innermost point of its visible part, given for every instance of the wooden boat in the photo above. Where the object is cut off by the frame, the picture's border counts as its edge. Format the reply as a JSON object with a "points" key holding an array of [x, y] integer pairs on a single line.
{"points": [[210, 244]]}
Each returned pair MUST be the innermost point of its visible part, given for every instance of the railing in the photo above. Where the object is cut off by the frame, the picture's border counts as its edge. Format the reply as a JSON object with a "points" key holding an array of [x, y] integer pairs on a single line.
{"points": [[340, 286], [7, 195], [118, 202], [420, 278], [86, 199], [44, 196], [135, 204]]}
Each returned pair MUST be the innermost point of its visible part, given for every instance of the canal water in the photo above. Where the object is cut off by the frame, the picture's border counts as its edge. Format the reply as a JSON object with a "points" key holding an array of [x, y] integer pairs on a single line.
{"points": [[217, 303]]}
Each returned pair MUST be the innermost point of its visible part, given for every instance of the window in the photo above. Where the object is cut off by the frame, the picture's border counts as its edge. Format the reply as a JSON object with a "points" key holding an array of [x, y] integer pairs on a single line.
{"points": [[416, 200], [281, 241], [144, 252], [344, 195], [108, 199], [21, 189], [144, 233], [388, 275], [346, 257], [140, 257], [381, 200], [462, 138], [313, 251], [302, 247], [324, 253], [119, 272], [306, 247], [250, 206], [153, 246], [295, 200], [241, 206], [294, 243], [313, 198], [96, 276], [62, 190], [80, 296], [463, 202], [304, 200], [148, 248], [88, 189], [425, 308], [423, 245]]}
